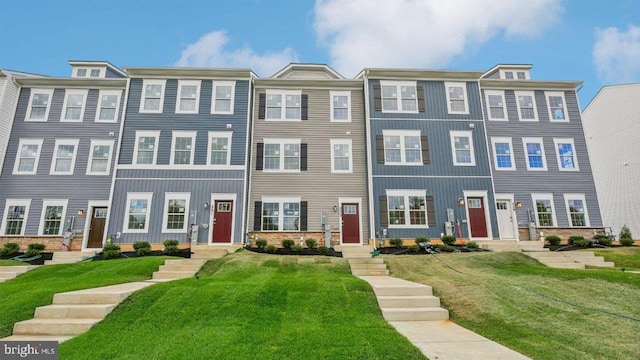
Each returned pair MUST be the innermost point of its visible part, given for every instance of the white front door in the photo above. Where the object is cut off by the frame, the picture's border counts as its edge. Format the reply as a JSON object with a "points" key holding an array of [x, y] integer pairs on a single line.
{"points": [[505, 219]]}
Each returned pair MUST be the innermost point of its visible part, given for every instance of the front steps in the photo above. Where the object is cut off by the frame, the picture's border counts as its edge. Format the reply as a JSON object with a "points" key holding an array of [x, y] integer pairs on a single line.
{"points": [[178, 269], [67, 257], [511, 245], [10, 272], [570, 259], [212, 251]]}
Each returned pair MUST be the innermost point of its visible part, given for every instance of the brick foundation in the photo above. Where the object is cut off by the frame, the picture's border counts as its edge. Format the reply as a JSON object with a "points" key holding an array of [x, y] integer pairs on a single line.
{"points": [[52, 243], [563, 233]]}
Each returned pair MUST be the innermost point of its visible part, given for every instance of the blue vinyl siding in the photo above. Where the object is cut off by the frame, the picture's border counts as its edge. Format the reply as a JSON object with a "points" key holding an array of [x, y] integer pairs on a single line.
{"points": [[112, 74]]}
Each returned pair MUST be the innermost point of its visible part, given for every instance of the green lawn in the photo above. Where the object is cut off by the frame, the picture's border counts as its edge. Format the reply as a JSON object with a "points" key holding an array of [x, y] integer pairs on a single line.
{"points": [[249, 306], [20, 297], [12, 263], [624, 257], [512, 299]]}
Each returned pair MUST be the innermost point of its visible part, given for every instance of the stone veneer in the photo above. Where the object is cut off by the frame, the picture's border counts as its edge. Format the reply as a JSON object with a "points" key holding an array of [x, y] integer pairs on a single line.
{"points": [[52, 243], [563, 233]]}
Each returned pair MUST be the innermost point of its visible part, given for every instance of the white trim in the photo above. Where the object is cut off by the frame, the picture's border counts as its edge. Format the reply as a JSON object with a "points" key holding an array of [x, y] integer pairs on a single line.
{"points": [[487, 214], [282, 143], [502, 140], [146, 82], [137, 196], [222, 196], [102, 93], [146, 133], [283, 103], [351, 200], [15, 202], [178, 167], [183, 134], [101, 72], [533, 100], [54, 157], [534, 140], [547, 95], [558, 141], [398, 97], [403, 149], [91, 204], [570, 196], [49, 92], [213, 96], [500, 93], [468, 134], [90, 159], [179, 98], [280, 201], [16, 165], [65, 105], [465, 99], [407, 212], [514, 219], [544, 196], [340, 93], [348, 142], [187, 211], [219, 134], [49, 202]]}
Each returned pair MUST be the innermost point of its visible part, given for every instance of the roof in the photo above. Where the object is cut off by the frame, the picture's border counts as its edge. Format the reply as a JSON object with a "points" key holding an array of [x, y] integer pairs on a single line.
{"points": [[497, 67], [418, 74], [189, 72], [116, 83], [97, 63], [307, 70], [529, 84]]}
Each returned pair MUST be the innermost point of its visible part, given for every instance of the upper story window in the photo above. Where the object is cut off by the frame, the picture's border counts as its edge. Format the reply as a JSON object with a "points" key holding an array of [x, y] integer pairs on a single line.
{"points": [[544, 209], [341, 159], [188, 96], [152, 96], [566, 154], [95, 73], [284, 105], [399, 96], [576, 205], [340, 106], [100, 157], [508, 75], [39, 105], [557, 106], [402, 147], [219, 148], [462, 148], [521, 75], [81, 73], [74, 104], [223, 97], [534, 153], [136, 217], [496, 106], [108, 105], [526, 102], [182, 147], [457, 98], [146, 147], [282, 155], [15, 216], [28, 156], [503, 154], [64, 157]]}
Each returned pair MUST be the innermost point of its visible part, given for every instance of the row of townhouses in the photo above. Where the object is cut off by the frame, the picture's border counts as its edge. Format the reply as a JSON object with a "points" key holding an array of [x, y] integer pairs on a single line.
{"points": [[212, 156]]}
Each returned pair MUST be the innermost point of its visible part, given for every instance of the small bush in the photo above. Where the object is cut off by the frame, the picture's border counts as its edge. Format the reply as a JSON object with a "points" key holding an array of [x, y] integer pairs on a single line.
{"points": [[311, 243], [142, 248], [9, 249], [110, 251], [625, 233], [261, 243], [580, 242], [573, 238], [626, 242], [395, 242], [296, 248], [421, 239], [288, 243], [323, 249], [473, 245], [445, 248], [414, 249], [449, 240], [553, 240], [269, 248], [602, 239], [34, 249], [171, 246]]}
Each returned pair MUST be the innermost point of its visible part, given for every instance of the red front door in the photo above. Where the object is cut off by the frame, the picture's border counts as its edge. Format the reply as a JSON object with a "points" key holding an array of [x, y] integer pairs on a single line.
{"points": [[477, 219], [222, 219], [350, 224]]}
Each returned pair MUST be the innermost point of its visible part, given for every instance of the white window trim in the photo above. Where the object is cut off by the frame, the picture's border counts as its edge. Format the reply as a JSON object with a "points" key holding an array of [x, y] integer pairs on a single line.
{"points": [[547, 95], [146, 133], [177, 134], [533, 101], [495, 140], [15, 202], [280, 201], [176, 196], [90, 158], [45, 204], [463, 85], [341, 93], [406, 194], [544, 196], [146, 82], [487, 93], [526, 155], [49, 101], [137, 196], [75, 143], [557, 141], [398, 84], [341, 142], [16, 166], [102, 70], [179, 97], [403, 148], [219, 134], [452, 136], [568, 197], [282, 142], [283, 105], [68, 92], [233, 96], [117, 93]]}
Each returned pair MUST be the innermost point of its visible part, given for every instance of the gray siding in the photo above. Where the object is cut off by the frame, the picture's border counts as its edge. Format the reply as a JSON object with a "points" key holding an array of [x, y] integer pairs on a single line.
{"points": [[180, 174], [112, 74]]}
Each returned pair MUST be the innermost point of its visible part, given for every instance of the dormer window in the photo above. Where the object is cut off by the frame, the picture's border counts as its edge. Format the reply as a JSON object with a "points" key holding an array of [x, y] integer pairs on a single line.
{"points": [[81, 73], [95, 73]]}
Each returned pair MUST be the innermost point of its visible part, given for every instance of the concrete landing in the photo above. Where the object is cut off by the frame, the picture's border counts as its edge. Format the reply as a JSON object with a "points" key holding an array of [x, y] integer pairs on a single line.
{"points": [[10, 272], [67, 257]]}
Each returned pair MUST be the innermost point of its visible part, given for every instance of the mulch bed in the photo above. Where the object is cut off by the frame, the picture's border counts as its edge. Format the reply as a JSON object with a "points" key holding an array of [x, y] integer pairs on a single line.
{"points": [[405, 250], [304, 251], [40, 261], [182, 253]]}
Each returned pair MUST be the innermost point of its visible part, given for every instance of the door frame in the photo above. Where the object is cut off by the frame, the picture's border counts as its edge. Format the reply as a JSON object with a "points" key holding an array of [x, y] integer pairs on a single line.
{"points": [[91, 204], [514, 219], [351, 200], [212, 204], [487, 218]]}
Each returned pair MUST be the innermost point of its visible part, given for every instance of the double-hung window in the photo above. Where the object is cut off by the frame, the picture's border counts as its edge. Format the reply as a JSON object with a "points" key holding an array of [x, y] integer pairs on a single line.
{"points": [[284, 105], [557, 106], [15, 216], [457, 98], [176, 212], [576, 209], [53, 217], [223, 97], [503, 153], [340, 106], [39, 105], [402, 147], [28, 156], [399, 96], [534, 153], [544, 209], [100, 157], [341, 159], [496, 106], [526, 102], [281, 214], [182, 147], [152, 98], [74, 104], [282, 155], [108, 105], [136, 219], [64, 157], [462, 148], [188, 96], [146, 147], [94, 73], [407, 208], [219, 148], [566, 154]]}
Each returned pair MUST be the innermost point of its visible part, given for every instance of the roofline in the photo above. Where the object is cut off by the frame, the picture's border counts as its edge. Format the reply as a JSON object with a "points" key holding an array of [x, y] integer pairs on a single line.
{"points": [[388, 73], [304, 65], [97, 62], [307, 83], [512, 66], [4, 72], [607, 87], [73, 82], [181, 72], [528, 84]]}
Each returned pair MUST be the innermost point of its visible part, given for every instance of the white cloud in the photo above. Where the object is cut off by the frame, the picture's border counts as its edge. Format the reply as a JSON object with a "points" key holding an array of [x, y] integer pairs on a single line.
{"points": [[421, 33], [616, 54], [210, 51]]}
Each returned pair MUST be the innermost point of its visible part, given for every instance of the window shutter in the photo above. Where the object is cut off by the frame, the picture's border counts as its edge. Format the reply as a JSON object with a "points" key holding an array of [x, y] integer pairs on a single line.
{"points": [[303, 216], [260, 156], [303, 157], [257, 216], [420, 98], [380, 148], [262, 105], [377, 97], [425, 150], [304, 110], [384, 212], [431, 212]]}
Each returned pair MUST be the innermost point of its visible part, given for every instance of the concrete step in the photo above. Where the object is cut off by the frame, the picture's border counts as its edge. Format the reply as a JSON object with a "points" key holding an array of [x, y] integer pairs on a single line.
{"points": [[53, 326], [367, 266], [600, 264], [186, 262], [371, 260], [356, 256], [194, 267], [408, 301], [546, 254], [559, 259], [58, 338], [8, 275], [112, 294], [400, 290], [67, 260], [81, 254], [379, 272], [415, 314], [93, 311], [209, 254], [173, 274], [574, 265]]}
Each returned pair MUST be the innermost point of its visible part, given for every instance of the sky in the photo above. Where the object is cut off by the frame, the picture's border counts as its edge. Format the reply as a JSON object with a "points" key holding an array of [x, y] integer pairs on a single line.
{"points": [[594, 41]]}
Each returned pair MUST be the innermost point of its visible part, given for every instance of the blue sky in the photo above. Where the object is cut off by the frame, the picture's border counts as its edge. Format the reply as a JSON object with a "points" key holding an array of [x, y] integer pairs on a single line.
{"points": [[595, 41]]}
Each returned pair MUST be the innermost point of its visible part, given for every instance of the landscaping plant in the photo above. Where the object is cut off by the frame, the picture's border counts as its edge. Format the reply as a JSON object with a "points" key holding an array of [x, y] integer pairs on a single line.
{"points": [[270, 249], [414, 249], [421, 239], [602, 239], [395, 242], [573, 238], [296, 248], [553, 240], [9, 249], [110, 251], [34, 249], [142, 248], [311, 243], [171, 246], [449, 240], [288, 243], [625, 236], [261, 243], [473, 245]]}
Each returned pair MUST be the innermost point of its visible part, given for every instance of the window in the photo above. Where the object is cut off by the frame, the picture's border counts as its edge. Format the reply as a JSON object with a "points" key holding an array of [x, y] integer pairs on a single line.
{"points": [[28, 156], [182, 147], [340, 106], [108, 105], [557, 106], [219, 148], [280, 214], [282, 155], [74, 103], [576, 209], [503, 154], [496, 106], [402, 147], [95, 73], [399, 96], [534, 153], [526, 105], [462, 148], [100, 157], [457, 98], [39, 105], [136, 219], [407, 208], [64, 157], [188, 96], [508, 75], [15, 217], [176, 212], [566, 155], [223, 97], [53, 216], [521, 75], [81, 73], [152, 96], [341, 160], [545, 210], [146, 147], [284, 105]]}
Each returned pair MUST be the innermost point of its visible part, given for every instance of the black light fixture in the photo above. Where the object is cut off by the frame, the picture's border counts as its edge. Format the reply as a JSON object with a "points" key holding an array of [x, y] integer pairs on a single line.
{"points": [[518, 204], [335, 208], [461, 201]]}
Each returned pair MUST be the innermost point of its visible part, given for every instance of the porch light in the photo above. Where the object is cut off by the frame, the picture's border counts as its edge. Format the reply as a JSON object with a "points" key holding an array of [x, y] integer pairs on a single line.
{"points": [[518, 204], [461, 201], [335, 208], [81, 212]]}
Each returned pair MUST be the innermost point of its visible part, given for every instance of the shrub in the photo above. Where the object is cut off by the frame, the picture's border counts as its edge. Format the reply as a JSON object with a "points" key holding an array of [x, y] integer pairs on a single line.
{"points": [[9, 249], [269, 248], [580, 242], [261, 243], [421, 239], [449, 239], [34, 249], [473, 245], [602, 239], [110, 251], [414, 248], [171, 246], [625, 236], [296, 248], [553, 240], [311, 243], [573, 238], [142, 248], [395, 242], [445, 248], [626, 241], [288, 243], [323, 250]]}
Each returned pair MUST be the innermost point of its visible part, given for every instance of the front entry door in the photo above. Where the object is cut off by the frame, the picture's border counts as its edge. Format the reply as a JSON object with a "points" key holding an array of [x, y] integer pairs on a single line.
{"points": [[96, 229], [222, 220], [505, 219], [350, 224], [477, 219]]}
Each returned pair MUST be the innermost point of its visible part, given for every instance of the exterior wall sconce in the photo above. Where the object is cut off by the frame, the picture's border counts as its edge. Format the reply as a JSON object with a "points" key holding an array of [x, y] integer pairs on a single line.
{"points": [[335, 208], [518, 204], [206, 205], [461, 201], [81, 212]]}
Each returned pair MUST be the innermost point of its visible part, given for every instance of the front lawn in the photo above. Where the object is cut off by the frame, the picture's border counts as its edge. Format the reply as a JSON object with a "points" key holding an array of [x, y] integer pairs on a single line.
{"points": [[12, 263], [623, 257]]}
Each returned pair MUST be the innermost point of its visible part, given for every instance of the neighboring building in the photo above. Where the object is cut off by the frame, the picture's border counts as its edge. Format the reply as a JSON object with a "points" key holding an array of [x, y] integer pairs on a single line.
{"points": [[429, 172], [308, 157], [612, 130], [541, 168], [58, 167], [182, 161]]}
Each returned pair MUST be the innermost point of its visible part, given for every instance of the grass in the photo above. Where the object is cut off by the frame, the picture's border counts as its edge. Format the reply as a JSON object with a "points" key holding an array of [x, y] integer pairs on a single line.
{"points": [[21, 296], [249, 306], [12, 263], [623, 257], [514, 300]]}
